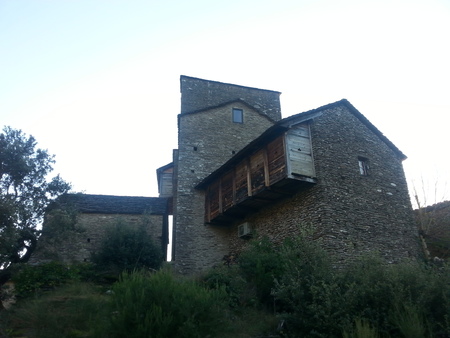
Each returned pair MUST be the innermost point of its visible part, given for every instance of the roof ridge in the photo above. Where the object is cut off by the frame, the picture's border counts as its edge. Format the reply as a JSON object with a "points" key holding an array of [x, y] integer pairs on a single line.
{"points": [[226, 83]]}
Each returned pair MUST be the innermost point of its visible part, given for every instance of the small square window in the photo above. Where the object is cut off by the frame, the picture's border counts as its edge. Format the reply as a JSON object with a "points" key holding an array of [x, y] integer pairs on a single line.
{"points": [[363, 166], [238, 115]]}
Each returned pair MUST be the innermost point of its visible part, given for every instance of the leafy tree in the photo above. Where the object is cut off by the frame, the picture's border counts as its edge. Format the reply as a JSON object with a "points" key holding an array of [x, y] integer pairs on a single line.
{"points": [[129, 248], [25, 193]]}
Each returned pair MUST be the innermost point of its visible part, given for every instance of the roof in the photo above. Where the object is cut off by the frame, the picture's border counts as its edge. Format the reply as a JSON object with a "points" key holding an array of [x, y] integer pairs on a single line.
{"points": [[358, 115], [164, 167], [110, 204], [286, 123]]}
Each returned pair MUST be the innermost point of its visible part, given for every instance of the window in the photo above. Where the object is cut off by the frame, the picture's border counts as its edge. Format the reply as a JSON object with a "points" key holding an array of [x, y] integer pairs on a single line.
{"points": [[363, 166], [238, 115]]}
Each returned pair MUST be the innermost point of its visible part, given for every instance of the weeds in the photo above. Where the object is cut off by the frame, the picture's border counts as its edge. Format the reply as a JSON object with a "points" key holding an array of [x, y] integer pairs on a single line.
{"points": [[293, 284], [70, 311]]}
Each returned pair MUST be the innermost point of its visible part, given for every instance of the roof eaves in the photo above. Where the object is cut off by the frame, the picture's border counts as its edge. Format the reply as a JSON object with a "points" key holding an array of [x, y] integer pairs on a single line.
{"points": [[288, 122], [344, 102], [374, 129], [111, 204]]}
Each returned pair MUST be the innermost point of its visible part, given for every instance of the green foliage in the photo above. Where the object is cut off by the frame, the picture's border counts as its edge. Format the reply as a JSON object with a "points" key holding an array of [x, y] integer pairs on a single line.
{"points": [[72, 310], [32, 279], [308, 294], [260, 266], [362, 329], [24, 196], [229, 279], [60, 226], [159, 305], [125, 247], [387, 295], [368, 298], [410, 321], [60, 222]]}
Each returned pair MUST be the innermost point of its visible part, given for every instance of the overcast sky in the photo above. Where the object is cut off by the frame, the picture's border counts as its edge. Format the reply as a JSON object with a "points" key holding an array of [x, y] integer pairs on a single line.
{"points": [[97, 82]]}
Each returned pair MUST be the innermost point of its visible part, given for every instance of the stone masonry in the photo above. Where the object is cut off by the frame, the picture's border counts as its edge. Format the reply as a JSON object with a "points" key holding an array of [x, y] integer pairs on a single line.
{"points": [[354, 200], [350, 213], [206, 139], [94, 215]]}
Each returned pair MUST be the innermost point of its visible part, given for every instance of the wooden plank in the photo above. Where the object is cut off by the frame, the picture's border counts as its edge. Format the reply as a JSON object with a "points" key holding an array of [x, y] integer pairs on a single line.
{"points": [[300, 156], [241, 182], [249, 177], [300, 130], [257, 171], [227, 191], [276, 160], [266, 168], [213, 198], [299, 143], [300, 151]]}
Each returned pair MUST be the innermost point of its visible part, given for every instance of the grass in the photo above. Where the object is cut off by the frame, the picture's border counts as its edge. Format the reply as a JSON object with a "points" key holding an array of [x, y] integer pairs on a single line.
{"points": [[80, 310], [70, 311]]}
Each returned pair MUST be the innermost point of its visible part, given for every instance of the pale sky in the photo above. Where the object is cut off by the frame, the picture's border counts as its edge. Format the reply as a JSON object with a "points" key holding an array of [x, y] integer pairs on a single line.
{"points": [[97, 82]]}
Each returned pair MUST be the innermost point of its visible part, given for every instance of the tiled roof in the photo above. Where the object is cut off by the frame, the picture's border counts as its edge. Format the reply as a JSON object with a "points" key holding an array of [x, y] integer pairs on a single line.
{"points": [[109, 204]]}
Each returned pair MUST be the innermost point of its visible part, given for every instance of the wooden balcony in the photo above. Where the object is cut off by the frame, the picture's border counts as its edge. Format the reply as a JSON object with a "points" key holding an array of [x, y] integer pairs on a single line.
{"points": [[273, 168]]}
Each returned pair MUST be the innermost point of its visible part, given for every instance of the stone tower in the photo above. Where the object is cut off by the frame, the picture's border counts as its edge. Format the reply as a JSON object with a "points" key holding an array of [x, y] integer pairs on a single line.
{"points": [[216, 121]]}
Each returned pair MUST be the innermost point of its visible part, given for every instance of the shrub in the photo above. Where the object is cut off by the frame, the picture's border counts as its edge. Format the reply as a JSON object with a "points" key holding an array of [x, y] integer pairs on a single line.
{"points": [[367, 297], [159, 305], [125, 247], [31, 279], [229, 279], [260, 265], [410, 322], [391, 297], [362, 329], [72, 310], [308, 294]]}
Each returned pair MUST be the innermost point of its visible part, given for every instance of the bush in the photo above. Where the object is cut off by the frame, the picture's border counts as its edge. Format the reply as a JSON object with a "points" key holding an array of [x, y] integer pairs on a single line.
{"points": [[315, 299], [261, 265], [31, 279], [392, 297], [72, 310], [308, 294], [229, 279], [127, 248], [159, 305]]}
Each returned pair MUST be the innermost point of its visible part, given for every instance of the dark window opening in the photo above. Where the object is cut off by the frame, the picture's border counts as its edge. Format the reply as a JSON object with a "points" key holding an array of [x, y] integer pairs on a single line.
{"points": [[363, 166], [238, 115]]}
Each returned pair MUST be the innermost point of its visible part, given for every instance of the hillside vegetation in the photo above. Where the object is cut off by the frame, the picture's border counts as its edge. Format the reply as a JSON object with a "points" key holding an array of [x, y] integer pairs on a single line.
{"points": [[287, 291], [434, 225]]}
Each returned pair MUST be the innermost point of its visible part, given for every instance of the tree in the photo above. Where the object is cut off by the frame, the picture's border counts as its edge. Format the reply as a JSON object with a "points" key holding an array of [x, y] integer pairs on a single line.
{"points": [[25, 193], [127, 247]]}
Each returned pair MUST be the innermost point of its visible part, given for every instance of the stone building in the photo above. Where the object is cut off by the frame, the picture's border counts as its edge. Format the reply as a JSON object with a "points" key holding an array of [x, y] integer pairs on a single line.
{"points": [[240, 169], [93, 215]]}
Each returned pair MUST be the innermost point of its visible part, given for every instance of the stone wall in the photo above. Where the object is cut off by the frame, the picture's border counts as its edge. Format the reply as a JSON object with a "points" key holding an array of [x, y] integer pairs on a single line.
{"points": [[198, 94], [207, 139], [347, 212], [77, 246]]}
